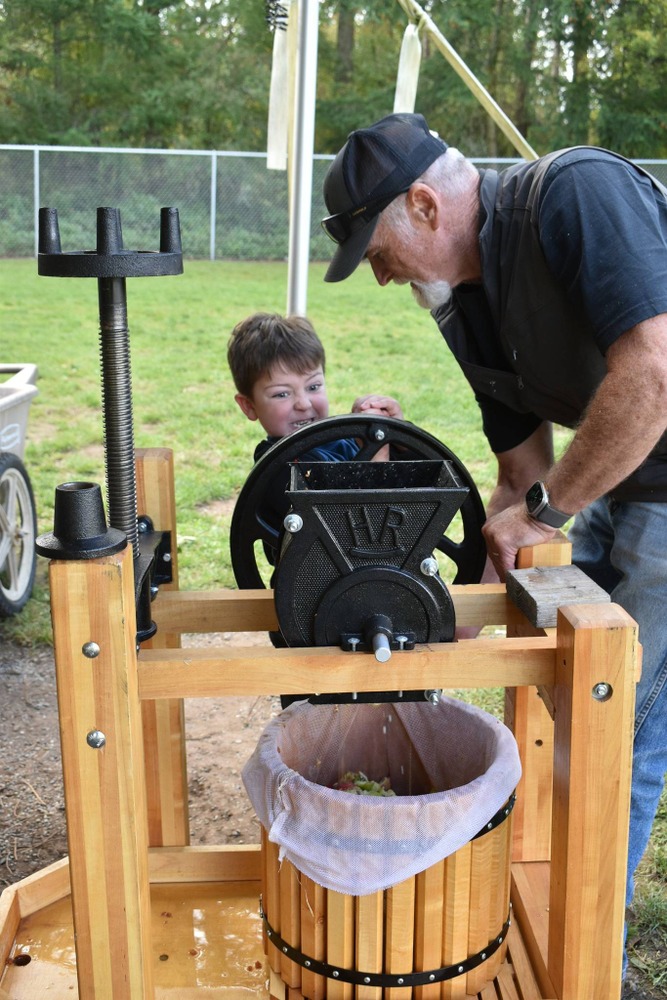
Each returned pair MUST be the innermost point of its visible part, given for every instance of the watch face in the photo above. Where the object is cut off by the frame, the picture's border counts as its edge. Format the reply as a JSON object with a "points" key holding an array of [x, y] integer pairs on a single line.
{"points": [[535, 496]]}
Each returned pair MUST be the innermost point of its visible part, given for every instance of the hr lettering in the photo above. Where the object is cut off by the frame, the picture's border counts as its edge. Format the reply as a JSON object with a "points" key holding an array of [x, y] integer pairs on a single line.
{"points": [[367, 541]]}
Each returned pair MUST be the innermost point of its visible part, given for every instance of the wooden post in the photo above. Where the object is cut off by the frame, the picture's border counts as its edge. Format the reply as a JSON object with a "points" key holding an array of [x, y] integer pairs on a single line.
{"points": [[313, 935], [92, 601], [163, 721], [399, 933], [290, 921], [429, 926], [369, 933], [458, 867], [271, 896], [529, 720], [594, 697], [340, 942]]}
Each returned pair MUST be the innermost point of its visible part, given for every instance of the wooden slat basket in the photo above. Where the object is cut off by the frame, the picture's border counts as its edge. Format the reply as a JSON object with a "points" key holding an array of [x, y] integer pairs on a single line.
{"points": [[437, 936]]}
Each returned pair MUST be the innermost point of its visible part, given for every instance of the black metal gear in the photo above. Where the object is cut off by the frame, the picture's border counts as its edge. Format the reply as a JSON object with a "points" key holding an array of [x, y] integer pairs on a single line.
{"points": [[406, 441]]}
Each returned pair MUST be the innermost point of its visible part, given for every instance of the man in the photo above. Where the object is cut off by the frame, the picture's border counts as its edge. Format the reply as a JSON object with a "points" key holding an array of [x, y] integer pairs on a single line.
{"points": [[549, 284]]}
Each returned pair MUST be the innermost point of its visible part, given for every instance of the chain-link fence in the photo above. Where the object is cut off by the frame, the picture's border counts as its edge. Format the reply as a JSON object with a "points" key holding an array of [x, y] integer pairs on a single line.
{"points": [[231, 207]]}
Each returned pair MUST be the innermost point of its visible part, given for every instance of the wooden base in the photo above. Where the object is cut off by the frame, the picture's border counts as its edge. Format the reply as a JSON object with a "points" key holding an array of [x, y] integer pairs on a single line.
{"points": [[206, 936]]}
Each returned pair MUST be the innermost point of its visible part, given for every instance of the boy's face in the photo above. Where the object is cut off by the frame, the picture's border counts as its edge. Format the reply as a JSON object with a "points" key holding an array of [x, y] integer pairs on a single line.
{"points": [[283, 401]]}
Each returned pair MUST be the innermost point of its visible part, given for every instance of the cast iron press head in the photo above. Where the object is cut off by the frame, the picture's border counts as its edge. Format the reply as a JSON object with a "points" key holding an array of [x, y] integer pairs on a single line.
{"points": [[356, 546]]}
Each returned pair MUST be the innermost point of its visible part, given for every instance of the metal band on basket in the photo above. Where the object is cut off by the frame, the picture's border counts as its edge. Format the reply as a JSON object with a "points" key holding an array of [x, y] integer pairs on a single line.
{"points": [[499, 817], [405, 979]]}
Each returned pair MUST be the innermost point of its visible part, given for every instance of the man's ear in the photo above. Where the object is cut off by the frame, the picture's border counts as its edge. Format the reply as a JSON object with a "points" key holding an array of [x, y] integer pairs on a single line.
{"points": [[422, 205], [246, 404]]}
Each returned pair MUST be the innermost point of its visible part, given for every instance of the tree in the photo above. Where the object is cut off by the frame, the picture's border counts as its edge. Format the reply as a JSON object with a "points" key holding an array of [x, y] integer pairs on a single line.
{"points": [[195, 73], [633, 85], [133, 72]]}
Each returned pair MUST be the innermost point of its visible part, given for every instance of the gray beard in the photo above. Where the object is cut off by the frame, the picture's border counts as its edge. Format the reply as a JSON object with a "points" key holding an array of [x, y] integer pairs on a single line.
{"points": [[431, 294]]}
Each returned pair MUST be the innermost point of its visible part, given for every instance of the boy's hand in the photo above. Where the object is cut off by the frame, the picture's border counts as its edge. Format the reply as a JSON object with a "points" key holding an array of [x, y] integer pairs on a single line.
{"points": [[379, 406]]}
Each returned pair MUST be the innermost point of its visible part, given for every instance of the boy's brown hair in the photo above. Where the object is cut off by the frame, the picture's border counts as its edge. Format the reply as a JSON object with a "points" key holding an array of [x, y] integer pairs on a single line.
{"points": [[266, 340]]}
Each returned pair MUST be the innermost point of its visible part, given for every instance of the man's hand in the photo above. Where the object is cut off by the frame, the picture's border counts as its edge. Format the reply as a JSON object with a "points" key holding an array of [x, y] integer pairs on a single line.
{"points": [[506, 532]]}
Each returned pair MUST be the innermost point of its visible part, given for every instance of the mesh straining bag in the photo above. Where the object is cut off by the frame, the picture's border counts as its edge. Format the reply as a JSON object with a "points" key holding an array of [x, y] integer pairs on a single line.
{"points": [[452, 766]]}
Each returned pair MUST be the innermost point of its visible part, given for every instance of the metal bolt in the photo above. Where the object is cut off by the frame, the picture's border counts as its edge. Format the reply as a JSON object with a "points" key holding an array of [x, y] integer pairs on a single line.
{"points": [[353, 642], [379, 434], [367, 979], [602, 691], [433, 696], [166, 557], [285, 948], [483, 954], [90, 649], [431, 978], [401, 640], [381, 647], [293, 523], [335, 973], [429, 566], [307, 963], [400, 980], [460, 968], [96, 739]]}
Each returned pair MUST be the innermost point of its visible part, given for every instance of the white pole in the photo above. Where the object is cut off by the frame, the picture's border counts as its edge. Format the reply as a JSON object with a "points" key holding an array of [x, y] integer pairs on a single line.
{"points": [[301, 166], [214, 205], [35, 196]]}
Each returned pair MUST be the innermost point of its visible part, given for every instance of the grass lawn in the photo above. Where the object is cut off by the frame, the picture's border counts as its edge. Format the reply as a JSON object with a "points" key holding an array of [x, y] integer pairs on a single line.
{"points": [[376, 340]]}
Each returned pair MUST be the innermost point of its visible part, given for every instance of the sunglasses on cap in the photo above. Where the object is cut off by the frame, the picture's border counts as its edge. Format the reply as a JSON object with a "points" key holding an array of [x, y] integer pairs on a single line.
{"points": [[342, 225]]}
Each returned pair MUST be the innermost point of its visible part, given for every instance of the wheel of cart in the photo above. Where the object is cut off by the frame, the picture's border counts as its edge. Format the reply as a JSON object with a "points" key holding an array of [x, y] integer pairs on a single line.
{"points": [[18, 519]]}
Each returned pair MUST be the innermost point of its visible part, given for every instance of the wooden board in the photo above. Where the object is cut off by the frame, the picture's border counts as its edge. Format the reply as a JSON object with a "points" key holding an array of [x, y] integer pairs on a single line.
{"points": [[539, 592]]}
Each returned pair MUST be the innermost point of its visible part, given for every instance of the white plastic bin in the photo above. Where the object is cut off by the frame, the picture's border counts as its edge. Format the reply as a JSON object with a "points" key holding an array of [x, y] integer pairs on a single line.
{"points": [[17, 388]]}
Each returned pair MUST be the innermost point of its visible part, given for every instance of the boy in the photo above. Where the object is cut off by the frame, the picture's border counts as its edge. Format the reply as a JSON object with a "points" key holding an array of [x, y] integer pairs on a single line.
{"points": [[277, 364]]}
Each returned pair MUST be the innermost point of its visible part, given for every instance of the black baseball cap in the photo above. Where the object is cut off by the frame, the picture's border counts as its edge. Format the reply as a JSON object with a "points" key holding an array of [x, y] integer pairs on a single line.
{"points": [[375, 165]]}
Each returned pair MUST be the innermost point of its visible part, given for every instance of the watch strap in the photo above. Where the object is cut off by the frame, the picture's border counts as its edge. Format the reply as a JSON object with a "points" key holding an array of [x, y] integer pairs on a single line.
{"points": [[549, 515]]}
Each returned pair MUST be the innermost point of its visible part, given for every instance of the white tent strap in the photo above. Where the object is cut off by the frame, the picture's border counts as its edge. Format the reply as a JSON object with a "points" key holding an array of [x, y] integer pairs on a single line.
{"points": [[407, 76], [280, 110]]}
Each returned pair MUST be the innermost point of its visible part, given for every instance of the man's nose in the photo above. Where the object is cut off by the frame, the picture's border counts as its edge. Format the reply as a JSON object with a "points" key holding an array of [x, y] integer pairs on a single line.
{"points": [[381, 272]]}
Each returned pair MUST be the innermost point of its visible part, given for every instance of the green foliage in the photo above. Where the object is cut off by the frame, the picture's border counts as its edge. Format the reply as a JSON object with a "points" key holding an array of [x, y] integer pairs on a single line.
{"points": [[195, 73], [112, 72], [633, 90]]}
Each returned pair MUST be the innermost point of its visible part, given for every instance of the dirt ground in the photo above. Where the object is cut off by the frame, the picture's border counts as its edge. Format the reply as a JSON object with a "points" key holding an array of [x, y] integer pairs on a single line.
{"points": [[32, 811]]}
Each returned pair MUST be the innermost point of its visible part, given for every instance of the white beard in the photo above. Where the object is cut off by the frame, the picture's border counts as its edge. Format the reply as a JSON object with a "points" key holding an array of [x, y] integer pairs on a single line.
{"points": [[431, 294]]}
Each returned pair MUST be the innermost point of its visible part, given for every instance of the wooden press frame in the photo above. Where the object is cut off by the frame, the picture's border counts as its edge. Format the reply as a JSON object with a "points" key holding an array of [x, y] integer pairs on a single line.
{"points": [[127, 803]]}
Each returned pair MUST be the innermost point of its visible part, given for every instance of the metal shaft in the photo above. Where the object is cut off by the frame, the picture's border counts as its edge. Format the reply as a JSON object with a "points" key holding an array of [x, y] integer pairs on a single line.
{"points": [[116, 386]]}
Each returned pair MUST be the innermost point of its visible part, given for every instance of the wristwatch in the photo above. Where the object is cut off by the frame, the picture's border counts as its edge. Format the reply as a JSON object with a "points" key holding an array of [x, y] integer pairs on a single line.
{"points": [[537, 504]]}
